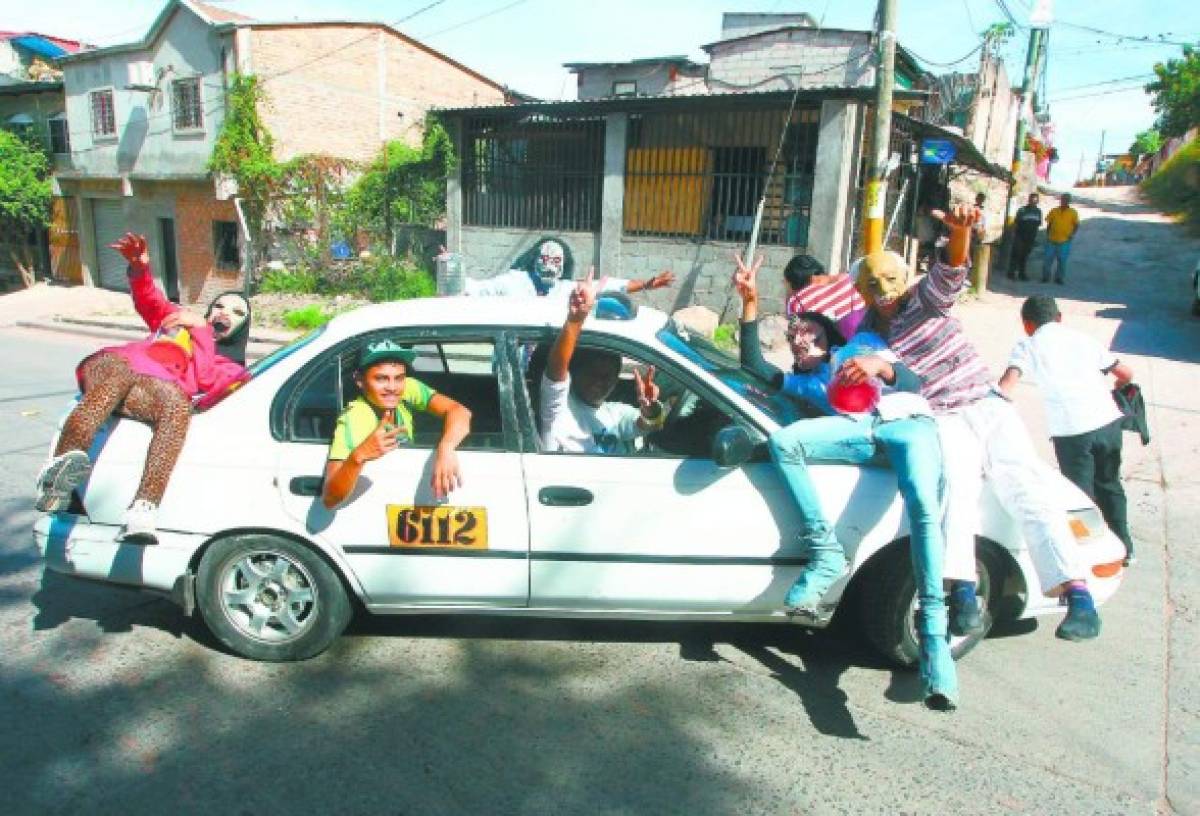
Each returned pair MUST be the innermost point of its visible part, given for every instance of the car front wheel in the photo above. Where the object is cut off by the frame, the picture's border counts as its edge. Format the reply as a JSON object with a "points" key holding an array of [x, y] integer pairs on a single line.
{"points": [[888, 604], [270, 598]]}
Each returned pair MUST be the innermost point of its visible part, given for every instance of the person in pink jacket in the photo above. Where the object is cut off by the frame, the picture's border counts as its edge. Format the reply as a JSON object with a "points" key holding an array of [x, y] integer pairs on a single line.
{"points": [[186, 360]]}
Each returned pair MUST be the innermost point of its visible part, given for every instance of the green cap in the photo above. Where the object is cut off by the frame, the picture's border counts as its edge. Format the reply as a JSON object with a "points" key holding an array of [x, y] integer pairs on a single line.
{"points": [[385, 351]]}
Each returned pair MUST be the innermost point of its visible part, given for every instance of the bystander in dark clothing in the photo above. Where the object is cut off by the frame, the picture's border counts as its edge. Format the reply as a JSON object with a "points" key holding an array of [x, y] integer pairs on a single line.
{"points": [[1025, 232]]}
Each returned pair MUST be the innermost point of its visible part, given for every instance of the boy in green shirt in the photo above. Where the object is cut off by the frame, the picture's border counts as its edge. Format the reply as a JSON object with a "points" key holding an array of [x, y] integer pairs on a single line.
{"points": [[380, 419]]}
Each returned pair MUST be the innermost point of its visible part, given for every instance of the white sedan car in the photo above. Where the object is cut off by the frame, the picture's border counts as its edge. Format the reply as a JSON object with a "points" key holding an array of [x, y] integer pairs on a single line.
{"points": [[694, 525]]}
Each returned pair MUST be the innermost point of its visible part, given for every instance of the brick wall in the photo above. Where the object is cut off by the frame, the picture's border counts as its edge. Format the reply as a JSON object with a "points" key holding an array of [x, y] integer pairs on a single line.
{"points": [[195, 211], [809, 58], [346, 103]]}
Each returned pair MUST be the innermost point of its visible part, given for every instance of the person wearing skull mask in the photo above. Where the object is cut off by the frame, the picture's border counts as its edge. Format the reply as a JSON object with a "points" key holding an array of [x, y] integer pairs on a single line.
{"points": [[186, 358], [547, 269], [978, 424]]}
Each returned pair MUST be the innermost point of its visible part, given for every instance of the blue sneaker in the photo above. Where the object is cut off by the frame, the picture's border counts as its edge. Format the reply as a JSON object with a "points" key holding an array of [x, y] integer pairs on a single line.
{"points": [[966, 618], [825, 566], [1079, 624]]}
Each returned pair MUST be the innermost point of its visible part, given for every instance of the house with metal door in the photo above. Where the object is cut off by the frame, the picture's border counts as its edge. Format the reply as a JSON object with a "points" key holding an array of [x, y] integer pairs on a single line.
{"points": [[144, 117]]}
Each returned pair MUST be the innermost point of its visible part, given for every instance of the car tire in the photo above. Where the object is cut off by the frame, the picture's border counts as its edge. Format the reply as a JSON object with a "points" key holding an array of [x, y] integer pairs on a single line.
{"points": [[887, 603], [270, 598]]}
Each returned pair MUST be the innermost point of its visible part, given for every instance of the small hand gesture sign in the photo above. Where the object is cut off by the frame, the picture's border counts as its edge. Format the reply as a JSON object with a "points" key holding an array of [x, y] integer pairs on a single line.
{"points": [[746, 278], [382, 440], [584, 297], [647, 388], [132, 247]]}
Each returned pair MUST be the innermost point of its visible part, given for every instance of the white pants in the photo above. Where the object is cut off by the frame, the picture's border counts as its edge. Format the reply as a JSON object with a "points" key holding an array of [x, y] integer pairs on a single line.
{"points": [[988, 439]]}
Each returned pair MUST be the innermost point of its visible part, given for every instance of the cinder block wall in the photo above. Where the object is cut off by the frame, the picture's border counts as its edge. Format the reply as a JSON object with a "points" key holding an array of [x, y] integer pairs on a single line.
{"points": [[809, 58], [488, 252]]}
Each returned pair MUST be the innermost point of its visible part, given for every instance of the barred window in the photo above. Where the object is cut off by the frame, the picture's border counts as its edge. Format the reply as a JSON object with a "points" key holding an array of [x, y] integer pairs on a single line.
{"points": [[536, 173], [60, 137], [701, 175], [187, 107], [104, 119]]}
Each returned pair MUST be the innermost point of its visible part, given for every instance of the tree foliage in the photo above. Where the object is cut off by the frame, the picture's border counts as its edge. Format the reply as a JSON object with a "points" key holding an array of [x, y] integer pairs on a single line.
{"points": [[404, 184], [1148, 141], [1176, 93], [312, 186], [24, 197], [245, 150]]}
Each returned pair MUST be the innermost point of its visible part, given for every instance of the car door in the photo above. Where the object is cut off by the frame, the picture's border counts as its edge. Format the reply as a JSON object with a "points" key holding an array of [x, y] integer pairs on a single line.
{"points": [[663, 529], [405, 547]]}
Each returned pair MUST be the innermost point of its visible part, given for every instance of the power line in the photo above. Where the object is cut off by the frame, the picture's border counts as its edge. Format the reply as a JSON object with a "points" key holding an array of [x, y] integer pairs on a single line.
{"points": [[1137, 77], [1158, 38], [964, 57], [1098, 93], [474, 19]]}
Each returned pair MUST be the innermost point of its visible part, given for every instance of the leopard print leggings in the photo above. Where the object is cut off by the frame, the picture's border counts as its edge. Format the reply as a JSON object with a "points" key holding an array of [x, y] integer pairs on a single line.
{"points": [[109, 385]]}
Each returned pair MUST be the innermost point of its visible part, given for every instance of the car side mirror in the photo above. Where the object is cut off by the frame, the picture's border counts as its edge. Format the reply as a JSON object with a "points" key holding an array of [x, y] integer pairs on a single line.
{"points": [[732, 446]]}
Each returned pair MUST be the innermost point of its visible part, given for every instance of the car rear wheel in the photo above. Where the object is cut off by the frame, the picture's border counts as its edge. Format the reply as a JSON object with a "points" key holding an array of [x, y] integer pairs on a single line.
{"points": [[888, 604], [270, 598]]}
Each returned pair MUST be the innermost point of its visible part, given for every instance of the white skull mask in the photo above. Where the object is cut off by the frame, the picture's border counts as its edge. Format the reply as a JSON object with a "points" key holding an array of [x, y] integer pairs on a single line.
{"points": [[550, 260]]}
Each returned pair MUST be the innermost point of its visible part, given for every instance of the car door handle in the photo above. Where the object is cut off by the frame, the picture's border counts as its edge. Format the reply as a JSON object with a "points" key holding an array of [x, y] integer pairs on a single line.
{"points": [[561, 496], [306, 485]]}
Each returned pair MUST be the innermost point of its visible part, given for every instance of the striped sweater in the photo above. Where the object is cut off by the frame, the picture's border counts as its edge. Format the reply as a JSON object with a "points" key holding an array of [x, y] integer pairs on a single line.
{"points": [[933, 344]]}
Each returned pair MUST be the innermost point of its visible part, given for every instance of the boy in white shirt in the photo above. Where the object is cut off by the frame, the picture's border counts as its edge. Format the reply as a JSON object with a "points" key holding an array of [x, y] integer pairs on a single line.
{"points": [[1071, 370], [572, 406]]}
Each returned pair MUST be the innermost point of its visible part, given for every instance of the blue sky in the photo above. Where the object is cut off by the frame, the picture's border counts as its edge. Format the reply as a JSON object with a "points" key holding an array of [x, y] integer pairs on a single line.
{"points": [[523, 43]]}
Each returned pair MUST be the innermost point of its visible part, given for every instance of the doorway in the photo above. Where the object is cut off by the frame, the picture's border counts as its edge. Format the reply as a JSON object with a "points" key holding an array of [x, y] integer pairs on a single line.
{"points": [[170, 272]]}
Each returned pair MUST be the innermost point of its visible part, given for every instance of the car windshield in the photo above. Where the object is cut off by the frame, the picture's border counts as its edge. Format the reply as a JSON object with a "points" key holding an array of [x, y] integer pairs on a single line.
{"points": [[726, 368]]}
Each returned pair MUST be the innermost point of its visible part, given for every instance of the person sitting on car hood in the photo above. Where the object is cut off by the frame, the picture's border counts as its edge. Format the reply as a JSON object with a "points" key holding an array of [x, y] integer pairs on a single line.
{"points": [[380, 420], [573, 407], [155, 380]]}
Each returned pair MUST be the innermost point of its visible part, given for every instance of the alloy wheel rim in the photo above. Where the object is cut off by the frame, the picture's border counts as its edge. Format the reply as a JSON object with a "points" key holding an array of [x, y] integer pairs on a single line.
{"points": [[268, 597]]}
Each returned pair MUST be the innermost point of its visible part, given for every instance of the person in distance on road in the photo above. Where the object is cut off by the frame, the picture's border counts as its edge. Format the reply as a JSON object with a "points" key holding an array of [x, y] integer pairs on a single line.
{"points": [[1028, 222]]}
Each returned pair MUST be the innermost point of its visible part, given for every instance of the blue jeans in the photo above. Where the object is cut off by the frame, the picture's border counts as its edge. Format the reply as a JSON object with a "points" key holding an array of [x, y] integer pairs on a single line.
{"points": [[1055, 253], [911, 447]]}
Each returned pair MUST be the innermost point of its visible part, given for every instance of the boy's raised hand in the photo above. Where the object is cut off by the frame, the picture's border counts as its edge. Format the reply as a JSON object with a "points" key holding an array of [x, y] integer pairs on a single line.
{"points": [[647, 388], [746, 278], [584, 297], [381, 441]]}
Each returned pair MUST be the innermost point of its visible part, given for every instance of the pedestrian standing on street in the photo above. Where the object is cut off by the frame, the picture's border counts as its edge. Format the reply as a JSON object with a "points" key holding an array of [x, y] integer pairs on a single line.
{"points": [[1072, 370], [186, 357], [1062, 222], [1028, 222]]}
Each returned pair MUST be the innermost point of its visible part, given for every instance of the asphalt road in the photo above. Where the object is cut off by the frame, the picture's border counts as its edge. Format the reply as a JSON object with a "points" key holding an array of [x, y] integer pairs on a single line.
{"points": [[112, 701]]}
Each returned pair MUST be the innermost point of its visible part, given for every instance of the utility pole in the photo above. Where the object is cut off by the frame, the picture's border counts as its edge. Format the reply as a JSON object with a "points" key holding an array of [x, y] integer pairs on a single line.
{"points": [[875, 198], [1079, 172], [1039, 24], [1100, 160]]}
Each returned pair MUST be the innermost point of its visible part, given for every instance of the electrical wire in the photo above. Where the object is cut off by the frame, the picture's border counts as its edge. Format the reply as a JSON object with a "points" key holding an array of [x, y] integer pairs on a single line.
{"points": [[475, 19], [964, 57], [1137, 77], [1160, 38]]}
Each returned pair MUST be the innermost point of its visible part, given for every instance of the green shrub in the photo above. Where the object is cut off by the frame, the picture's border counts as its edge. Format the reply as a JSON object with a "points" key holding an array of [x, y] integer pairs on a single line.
{"points": [[1175, 188], [383, 279], [299, 281], [726, 337], [307, 317]]}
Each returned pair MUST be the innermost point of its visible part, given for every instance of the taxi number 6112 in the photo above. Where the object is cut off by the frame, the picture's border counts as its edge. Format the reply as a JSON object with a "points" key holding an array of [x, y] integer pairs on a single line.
{"points": [[460, 528]]}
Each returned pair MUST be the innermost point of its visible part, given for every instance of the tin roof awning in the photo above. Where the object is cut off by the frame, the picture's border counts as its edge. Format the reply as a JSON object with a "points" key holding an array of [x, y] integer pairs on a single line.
{"points": [[40, 46], [967, 154]]}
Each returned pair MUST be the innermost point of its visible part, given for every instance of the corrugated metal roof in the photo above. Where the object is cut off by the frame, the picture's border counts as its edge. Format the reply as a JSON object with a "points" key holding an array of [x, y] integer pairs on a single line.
{"points": [[39, 45], [968, 153], [674, 58], [610, 104], [19, 88]]}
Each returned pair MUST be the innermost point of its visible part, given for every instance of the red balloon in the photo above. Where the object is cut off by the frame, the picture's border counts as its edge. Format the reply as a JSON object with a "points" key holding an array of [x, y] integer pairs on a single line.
{"points": [[853, 399]]}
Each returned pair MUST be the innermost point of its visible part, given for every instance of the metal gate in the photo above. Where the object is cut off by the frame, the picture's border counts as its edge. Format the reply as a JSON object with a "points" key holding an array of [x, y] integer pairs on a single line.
{"points": [[110, 223]]}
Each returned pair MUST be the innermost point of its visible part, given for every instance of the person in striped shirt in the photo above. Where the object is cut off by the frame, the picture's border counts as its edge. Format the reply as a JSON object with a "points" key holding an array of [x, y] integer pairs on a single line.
{"points": [[811, 290], [978, 424]]}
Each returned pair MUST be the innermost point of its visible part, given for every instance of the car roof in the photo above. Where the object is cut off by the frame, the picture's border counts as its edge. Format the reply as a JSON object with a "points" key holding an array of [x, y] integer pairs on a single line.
{"points": [[463, 311]]}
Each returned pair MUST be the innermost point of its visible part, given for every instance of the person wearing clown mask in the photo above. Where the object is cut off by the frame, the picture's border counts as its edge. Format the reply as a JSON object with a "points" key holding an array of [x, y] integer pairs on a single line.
{"points": [[547, 269], [871, 409], [979, 424], [187, 358]]}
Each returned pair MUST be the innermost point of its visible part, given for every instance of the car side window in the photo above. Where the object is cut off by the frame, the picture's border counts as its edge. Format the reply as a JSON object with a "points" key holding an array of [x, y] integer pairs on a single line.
{"points": [[463, 370], [692, 420]]}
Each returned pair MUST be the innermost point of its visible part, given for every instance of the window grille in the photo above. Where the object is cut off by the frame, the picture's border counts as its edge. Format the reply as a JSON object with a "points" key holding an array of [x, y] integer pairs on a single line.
{"points": [[187, 107], [701, 175], [104, 120], [535, 173]]}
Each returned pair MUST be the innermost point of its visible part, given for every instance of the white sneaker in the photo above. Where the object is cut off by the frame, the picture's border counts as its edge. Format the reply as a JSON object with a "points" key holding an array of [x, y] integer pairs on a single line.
{"points": [[139, 523], [58, 478]]}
